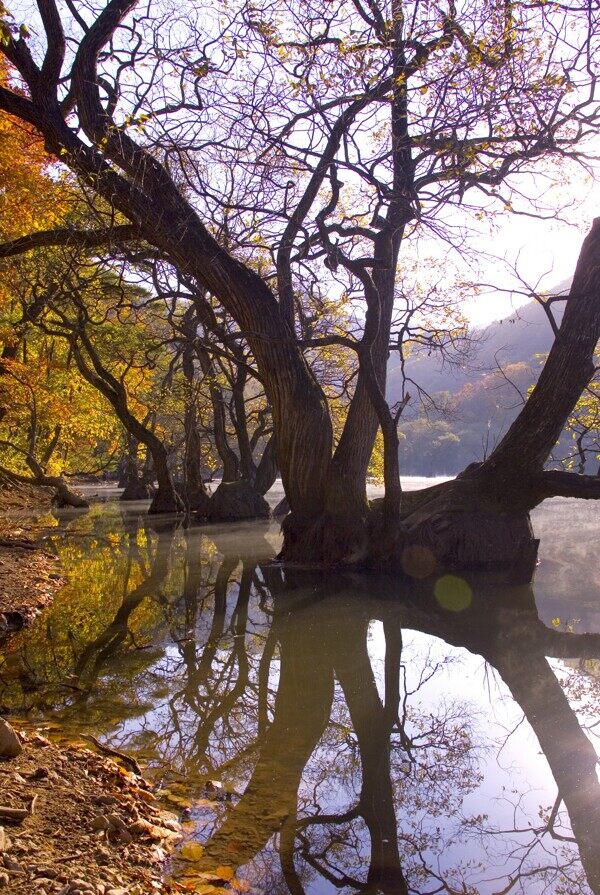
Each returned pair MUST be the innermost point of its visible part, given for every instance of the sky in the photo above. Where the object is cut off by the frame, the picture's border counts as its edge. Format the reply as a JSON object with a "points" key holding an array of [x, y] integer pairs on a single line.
{"points": [[545, 252]]}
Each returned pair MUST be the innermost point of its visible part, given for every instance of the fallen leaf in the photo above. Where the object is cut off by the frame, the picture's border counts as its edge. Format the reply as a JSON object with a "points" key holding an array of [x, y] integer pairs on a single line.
{"points": [[191, 851]]}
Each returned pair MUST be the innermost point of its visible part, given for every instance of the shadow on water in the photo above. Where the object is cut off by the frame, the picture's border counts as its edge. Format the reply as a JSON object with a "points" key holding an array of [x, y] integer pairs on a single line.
{"points": [[325, 733]]}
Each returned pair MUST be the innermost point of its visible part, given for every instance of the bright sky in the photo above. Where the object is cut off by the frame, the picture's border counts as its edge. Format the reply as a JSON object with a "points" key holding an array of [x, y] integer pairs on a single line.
{"points": [[544, 251]]}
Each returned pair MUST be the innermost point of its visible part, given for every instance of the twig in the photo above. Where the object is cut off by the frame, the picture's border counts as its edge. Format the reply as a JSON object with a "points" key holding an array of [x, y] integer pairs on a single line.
{"points": [[126, 759], [13, 815], [17, 543]]}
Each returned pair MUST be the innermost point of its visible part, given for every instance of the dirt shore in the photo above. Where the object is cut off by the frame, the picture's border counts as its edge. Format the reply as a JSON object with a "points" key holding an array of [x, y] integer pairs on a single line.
{"points": [[72, 821], [91, 828], [29, 575], [29, 578]]}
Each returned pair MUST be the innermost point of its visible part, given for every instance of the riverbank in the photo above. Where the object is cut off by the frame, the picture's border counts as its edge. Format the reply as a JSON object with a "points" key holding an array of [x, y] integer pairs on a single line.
{"points": [[90, 827], [72, 821], [29, 575]]}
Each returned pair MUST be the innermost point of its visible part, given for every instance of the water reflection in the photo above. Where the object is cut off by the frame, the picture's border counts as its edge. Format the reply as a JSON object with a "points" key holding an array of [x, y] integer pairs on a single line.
{"points": [[325, 733]]}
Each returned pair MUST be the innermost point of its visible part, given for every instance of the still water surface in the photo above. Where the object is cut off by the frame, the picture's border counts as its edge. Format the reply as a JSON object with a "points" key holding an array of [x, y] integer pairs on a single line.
{"points": [[338, 733]]}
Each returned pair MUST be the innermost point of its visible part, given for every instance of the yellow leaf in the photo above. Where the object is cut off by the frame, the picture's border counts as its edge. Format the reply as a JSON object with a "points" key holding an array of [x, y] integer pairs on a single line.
{"points": [[556, 621], [225, 873], [191, 851]]}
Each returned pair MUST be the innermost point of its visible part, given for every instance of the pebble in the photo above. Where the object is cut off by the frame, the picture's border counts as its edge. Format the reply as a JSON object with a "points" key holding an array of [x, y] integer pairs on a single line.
{"points": [[10, 744], [83, 885], [11, 864], [106, 800], [4, 879], [120, 827], [5, 842], [102, 855], [47, 872]]}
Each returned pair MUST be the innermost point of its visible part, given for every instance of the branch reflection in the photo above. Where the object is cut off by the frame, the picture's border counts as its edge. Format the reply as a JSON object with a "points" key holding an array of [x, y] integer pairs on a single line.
{"points": [[325, 732]]}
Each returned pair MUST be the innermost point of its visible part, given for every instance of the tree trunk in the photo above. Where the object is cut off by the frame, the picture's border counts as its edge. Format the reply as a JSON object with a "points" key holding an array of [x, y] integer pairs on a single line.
{"points": [[195, 496], [267, 469], [482, 517], [134, 486], [64, 497], [30, 314], [347, 476], [240, 494], [240, 424], [521, 454], [165, 500], [9, 352]]}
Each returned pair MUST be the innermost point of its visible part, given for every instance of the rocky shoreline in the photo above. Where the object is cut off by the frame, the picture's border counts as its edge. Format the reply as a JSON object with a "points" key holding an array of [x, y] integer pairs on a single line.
{"points": [[72, 821], [77, 823], [29, 575]]}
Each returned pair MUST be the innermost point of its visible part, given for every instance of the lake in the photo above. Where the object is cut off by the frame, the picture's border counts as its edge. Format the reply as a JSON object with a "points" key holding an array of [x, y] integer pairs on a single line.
{"points": [[335, 732]]}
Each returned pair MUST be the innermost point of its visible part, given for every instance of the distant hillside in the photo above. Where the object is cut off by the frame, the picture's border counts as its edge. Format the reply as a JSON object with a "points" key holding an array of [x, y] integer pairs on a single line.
{"points": [[480, 401]]}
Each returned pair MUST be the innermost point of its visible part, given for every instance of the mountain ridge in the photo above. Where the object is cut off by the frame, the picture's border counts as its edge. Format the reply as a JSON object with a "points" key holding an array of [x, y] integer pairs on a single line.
{"points": [[478, 400]]}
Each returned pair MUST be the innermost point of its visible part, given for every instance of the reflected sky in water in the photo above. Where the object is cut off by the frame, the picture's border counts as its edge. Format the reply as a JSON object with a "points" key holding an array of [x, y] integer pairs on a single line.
{"points": [[334, 733]]}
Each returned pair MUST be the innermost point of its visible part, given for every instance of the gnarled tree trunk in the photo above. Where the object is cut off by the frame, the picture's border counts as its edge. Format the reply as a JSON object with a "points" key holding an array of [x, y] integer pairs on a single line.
{"points": [[482, 518], [166, 499]]}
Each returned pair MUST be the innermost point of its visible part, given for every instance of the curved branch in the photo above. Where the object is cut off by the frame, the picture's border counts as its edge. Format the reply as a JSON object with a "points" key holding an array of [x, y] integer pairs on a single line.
{"points": [[56, 46], [62, 236]]}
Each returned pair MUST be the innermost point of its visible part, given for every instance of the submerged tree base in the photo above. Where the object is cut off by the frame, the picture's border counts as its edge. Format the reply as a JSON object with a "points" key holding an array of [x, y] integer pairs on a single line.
{"points": [[236, 501], [454, 526], [165, 501], [136, 490]]}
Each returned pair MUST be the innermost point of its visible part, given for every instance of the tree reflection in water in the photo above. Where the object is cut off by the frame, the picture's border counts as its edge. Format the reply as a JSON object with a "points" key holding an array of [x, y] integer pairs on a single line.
{"points": [[346, 762]]}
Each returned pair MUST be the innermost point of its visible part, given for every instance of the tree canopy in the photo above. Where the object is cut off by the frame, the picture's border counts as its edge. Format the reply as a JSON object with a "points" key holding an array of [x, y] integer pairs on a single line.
{"points": [[280, 167]]}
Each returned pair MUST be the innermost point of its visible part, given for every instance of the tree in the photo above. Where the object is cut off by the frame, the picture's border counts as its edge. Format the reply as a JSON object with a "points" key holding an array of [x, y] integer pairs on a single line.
{"points": [[102, 321], [30, 199], [584, 427], [339, 134]]}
